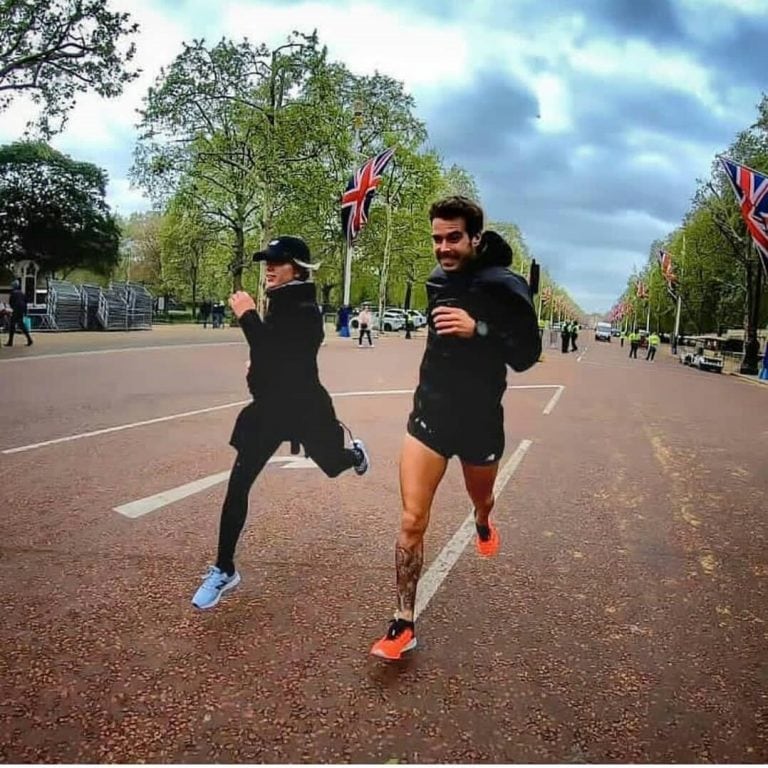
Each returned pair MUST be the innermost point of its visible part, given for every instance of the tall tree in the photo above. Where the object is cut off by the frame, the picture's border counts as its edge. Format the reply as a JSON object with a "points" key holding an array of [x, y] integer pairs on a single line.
{"points": [[235, 124], [459, 181], [54, 49], [140, 244], [186, 243], [53, 210]]}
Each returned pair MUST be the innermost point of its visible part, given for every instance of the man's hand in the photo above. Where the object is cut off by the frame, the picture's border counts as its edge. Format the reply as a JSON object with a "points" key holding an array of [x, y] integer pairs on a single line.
{"points": [[453, 321], [241, 302]]}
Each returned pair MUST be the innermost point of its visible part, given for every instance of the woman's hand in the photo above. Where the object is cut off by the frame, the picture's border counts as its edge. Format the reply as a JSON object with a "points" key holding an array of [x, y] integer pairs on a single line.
{"points": [[241, 302]]}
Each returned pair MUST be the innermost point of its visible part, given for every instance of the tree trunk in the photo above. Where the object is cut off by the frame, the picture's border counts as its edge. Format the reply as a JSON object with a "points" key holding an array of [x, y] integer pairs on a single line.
{"points": [[749, 364], [385, 269], [193, 279], [407, 298], [239, 260]]}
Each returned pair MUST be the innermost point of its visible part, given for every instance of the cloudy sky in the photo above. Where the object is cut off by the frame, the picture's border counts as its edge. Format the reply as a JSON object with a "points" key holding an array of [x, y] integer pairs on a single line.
{"points": [[586, 122]]}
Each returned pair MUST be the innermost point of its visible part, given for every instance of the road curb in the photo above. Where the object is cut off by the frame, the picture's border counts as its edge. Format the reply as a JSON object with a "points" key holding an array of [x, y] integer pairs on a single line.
{"points": [[750, 379]]}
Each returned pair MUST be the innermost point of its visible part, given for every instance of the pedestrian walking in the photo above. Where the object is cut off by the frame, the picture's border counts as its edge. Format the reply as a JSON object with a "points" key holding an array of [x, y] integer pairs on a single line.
{"points": [[653, 342], [205, 312], [574, 335], [364, 321], [565, 335], [18, 303]]}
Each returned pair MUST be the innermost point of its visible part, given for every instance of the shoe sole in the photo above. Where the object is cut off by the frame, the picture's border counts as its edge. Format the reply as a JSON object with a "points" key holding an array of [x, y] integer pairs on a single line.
{"points": [[230, 585], [381, 655]]}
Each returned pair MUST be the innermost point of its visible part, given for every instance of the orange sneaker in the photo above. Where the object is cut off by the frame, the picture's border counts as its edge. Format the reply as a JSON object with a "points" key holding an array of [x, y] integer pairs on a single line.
{"points": [[400, 637], [490, 546]]}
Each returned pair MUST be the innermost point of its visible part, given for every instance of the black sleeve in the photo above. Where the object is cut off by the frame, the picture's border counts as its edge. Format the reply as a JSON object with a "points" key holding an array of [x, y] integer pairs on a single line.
{"points": [[512, 322], [253, 327]]}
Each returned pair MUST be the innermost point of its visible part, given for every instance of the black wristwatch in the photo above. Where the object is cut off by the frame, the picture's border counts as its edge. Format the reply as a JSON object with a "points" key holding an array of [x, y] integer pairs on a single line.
{"points": [[481, 328]]}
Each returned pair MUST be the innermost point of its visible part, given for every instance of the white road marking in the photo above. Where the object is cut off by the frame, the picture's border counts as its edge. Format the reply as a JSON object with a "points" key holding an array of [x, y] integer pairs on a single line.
{"points": [[550, 406], [185, 414], [578, 359], [123, 349], [121, 427], [149, 504], [430, 582]]}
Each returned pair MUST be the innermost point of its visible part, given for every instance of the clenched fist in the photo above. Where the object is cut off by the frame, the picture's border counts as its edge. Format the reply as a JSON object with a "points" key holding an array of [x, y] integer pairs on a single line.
{"points": [[453, 321], [241, 302]]}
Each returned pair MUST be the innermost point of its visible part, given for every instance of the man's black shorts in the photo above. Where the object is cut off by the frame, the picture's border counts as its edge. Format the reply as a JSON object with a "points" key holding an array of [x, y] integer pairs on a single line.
{"points": [[475, 437]]}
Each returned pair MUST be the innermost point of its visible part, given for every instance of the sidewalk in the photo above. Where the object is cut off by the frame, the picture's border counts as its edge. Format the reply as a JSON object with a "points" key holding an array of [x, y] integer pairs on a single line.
{"points": [[754, 379]]}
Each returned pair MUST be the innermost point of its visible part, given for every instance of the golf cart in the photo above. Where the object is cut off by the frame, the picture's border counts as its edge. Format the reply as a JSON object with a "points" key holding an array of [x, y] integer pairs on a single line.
{"points": [[707, 354]]}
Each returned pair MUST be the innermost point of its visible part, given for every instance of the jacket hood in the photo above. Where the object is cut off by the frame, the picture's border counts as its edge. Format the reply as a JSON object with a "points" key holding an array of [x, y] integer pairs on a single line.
{"points": [[493, 251]]}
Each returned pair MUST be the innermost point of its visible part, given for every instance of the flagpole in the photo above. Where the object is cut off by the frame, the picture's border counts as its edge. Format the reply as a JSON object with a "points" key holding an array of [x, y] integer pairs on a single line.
{"points": [[345, 311], [347, 275], [677, 323], [648, 318]]}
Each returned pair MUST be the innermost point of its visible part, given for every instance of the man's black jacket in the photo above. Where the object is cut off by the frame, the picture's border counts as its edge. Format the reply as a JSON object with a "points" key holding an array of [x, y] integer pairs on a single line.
{"points": [[471, 373]]}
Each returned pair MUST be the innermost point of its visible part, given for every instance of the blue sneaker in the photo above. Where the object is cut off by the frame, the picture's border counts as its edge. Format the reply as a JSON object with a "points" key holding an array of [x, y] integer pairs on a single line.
{"points": [[215, 583], [362, 460]]}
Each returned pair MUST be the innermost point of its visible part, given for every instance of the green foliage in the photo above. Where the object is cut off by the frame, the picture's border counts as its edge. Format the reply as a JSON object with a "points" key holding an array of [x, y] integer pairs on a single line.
{"points": [[254, 142], [458, 181], [53, 210], [238, 128], [54, 49]]}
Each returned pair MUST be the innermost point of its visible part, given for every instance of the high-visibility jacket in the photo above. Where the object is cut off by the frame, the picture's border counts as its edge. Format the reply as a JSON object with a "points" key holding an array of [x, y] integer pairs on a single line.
{"points": [[654, 340]]}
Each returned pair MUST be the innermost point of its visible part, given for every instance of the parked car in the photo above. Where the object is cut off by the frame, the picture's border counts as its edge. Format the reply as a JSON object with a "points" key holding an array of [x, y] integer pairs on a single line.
{"points": [[393, 321], [706, 354], [418, 319]]}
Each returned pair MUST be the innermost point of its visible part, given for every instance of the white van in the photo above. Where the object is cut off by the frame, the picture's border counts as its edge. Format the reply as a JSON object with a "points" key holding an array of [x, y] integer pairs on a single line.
{"points": [[603, 332]]}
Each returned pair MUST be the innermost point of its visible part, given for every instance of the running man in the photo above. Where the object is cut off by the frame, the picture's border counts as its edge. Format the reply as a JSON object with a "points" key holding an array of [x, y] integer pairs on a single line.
{"points": [[481, 319], [289, 402]]}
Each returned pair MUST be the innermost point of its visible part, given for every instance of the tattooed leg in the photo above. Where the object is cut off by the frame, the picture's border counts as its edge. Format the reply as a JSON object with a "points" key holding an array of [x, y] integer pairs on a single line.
{"points": [[421, 470], [408, 563]]}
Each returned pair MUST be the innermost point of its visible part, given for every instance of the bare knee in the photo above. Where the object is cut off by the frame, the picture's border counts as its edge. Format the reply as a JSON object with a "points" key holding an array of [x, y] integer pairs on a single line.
{"points": [[413, 526]]}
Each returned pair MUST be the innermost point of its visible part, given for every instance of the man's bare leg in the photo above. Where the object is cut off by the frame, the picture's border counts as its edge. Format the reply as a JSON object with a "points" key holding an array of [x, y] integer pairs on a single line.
{"points": [[421, 470], [479, 480]]}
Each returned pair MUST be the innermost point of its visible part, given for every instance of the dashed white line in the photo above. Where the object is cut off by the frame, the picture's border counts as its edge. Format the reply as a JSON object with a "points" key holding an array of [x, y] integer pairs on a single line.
{"points": [[550, 406], [140, 507], [430, 582]]}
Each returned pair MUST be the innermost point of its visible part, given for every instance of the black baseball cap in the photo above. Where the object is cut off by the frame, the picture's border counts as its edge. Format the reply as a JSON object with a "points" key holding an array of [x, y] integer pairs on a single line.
{"points": [[284, 249]]}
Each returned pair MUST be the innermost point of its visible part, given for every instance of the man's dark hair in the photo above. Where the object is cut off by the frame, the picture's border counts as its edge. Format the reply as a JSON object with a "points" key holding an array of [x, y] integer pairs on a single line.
{"points": [[459, 207]]}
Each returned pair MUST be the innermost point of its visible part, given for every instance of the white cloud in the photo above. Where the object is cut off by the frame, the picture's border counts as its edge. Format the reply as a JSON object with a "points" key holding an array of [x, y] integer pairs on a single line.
{"points": [[554, 104], [125, 200], [366, 36]]}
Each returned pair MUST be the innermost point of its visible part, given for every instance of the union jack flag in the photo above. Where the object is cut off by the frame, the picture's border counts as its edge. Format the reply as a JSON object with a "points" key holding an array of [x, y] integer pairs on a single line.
{"points": [[667, 271], [751, 190], [642, 291], [361, 188]]}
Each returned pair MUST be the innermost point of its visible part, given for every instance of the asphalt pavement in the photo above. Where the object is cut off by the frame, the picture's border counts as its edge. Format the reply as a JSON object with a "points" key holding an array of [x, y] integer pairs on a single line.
{"points": [[624, 619]]}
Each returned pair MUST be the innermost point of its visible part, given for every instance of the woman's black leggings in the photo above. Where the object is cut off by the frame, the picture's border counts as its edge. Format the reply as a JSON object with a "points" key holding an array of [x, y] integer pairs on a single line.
{"points": [[326, 449]]}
